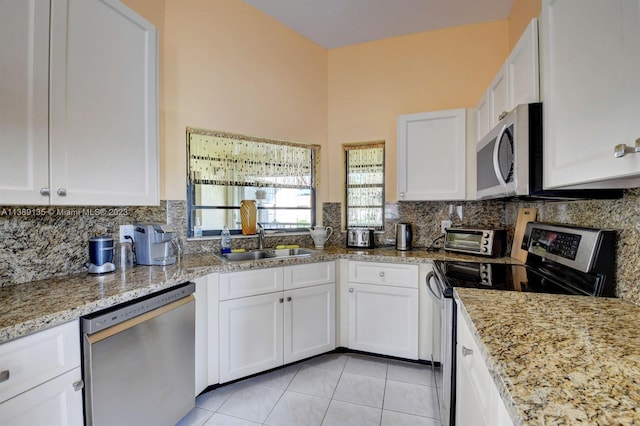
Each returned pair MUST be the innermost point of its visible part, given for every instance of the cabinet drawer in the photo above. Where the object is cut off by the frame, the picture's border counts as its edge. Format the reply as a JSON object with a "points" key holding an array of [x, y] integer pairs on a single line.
{"points": [[39, 357], [393, 274], [250, 283], [297, 276]]}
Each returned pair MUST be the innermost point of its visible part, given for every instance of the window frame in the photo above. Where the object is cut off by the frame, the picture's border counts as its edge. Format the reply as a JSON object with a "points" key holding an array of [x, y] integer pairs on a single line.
{"points": [[364, 145], [192, 208]]}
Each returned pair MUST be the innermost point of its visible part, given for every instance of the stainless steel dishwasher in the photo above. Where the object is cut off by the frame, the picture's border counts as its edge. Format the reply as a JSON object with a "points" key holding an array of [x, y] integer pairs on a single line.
{"points": [[139, 360]]}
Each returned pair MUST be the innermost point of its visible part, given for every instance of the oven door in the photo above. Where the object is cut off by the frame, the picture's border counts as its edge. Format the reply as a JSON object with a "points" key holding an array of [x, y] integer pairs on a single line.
{"points": [[445, 375], [496, 162]]}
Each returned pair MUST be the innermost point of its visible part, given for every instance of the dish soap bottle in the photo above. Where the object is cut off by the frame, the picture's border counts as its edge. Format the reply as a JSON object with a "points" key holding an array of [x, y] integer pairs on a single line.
{"points": [[225, 242], [197, 229]]}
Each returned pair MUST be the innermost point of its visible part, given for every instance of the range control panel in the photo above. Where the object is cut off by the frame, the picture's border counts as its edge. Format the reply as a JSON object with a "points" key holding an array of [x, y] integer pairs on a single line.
{"points": [[543, 242]]}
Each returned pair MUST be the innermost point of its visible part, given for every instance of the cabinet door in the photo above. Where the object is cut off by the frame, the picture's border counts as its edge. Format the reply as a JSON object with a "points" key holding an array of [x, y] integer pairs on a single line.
{"points": [[478, 401], [498, 96], [484, 116], [591, 90], [39, 357], [24, 92], [54, 403], [103, 103], [309, 322], [523, 69], [251, 338], [383, 320], [250, 283], [431, 155]]}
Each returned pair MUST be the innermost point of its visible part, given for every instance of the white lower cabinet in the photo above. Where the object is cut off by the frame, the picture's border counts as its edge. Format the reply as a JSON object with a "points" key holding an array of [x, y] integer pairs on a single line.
{"points": [[206, 349], [309, 322], [383, 308], [478, 401], [40, 378], [264, 331], [251, 335]]}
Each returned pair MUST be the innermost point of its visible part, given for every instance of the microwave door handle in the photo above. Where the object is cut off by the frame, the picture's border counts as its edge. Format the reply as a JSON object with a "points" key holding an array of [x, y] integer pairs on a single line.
{"points": [[432, 293], [496, 164]]}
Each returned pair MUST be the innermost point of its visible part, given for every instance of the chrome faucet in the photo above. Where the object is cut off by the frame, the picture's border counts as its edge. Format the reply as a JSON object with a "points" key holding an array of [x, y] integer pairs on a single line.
{"points": [[261, 237]]}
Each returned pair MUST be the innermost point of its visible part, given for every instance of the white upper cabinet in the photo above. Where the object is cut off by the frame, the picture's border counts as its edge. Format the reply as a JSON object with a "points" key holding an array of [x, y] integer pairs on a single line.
{"points": [[24, 92], [516, 83], [590, 57], [431, 155], [81, 104]]}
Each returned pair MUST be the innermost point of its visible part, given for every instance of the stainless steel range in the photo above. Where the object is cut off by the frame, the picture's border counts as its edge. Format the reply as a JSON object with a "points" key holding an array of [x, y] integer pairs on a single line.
{"points": [[561, 260]]}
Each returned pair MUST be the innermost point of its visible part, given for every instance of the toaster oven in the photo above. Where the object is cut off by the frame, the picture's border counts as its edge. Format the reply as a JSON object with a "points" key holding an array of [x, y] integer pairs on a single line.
{"points": [[485, 242]]}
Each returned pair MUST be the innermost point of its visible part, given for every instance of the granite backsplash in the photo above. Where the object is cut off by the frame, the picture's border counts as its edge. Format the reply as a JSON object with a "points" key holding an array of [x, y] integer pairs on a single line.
{"points": [[42, 242]]}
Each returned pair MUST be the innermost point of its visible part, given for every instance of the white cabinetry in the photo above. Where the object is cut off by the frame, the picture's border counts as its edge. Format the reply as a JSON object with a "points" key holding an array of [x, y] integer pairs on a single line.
{"points": [[206, 349], [41, 378], [478, 402], [590, 56], [432, 155], [273, 316], [78, 104], [383, 308], [516, 83]]}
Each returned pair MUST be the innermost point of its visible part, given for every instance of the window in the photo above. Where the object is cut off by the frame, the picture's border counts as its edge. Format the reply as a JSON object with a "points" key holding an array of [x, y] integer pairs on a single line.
{"points": [[364, 206], [225, 168]]}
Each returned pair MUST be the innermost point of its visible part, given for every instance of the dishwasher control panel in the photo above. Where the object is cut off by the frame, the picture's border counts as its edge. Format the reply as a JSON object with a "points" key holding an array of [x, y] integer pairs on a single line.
{"points": [[106, 318]]}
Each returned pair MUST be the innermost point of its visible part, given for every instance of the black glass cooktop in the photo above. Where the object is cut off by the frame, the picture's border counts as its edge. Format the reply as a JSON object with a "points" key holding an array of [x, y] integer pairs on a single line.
{"points": [[497, 276]]}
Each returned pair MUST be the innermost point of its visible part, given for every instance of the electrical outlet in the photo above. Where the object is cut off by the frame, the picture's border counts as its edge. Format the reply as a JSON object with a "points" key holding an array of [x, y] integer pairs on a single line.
{"points": [[444, 224], [126, 230]]}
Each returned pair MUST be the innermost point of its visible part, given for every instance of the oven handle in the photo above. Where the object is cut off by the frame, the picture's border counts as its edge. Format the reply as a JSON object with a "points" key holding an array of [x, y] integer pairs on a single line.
{"points": [[432, 293]]}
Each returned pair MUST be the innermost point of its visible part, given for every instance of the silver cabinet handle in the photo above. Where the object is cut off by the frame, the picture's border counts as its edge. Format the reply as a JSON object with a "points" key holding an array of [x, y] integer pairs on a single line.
{"points": [[4, 376], [466, 351], [351, 290], [62, 192], [45, 192], [622, 149], [402, 195], [381, 274], [288, 299], [281, 300], [78, 385]]}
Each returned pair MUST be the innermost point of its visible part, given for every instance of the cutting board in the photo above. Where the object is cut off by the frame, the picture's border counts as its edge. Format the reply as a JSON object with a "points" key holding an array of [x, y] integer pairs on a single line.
{"points": [[525, 215]]}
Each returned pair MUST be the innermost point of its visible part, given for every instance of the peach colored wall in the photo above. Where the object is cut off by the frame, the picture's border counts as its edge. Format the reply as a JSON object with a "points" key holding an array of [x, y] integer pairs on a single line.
{"points": [[227, 66], [370, 84], [522, 12]]}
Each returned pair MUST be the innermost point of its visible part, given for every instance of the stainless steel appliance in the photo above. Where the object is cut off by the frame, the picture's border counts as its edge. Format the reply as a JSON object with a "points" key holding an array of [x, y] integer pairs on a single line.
{"points": [[485, 242], [360, 238], [101, 255], [153, 244], [404, 236], [561, 260], [139, 360], [509, 160]]}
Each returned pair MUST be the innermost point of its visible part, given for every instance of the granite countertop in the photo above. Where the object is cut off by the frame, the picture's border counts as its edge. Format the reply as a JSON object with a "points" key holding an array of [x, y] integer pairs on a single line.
{"points": [[34, 306], [559, 359]]}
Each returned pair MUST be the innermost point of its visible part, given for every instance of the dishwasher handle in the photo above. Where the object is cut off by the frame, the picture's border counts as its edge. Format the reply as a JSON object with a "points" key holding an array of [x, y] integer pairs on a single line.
{"points": [[119, 328]]}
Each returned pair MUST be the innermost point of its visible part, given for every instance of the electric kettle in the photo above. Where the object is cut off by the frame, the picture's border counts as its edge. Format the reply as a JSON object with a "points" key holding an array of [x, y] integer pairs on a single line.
{"points": [[403, 236]]}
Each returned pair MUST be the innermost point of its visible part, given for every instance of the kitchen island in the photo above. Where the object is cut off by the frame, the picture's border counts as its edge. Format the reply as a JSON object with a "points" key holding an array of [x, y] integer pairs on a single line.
{"points": [[555, 359]]}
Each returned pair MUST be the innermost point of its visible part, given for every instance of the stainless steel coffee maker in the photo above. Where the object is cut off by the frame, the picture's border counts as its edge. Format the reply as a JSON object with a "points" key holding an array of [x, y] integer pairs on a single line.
{"points": [[153, 244]]}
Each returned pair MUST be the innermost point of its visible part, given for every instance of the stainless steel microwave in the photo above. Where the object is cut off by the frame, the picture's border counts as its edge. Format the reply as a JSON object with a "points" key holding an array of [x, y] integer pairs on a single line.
{"points": [[503, 154], [509, 161]]}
